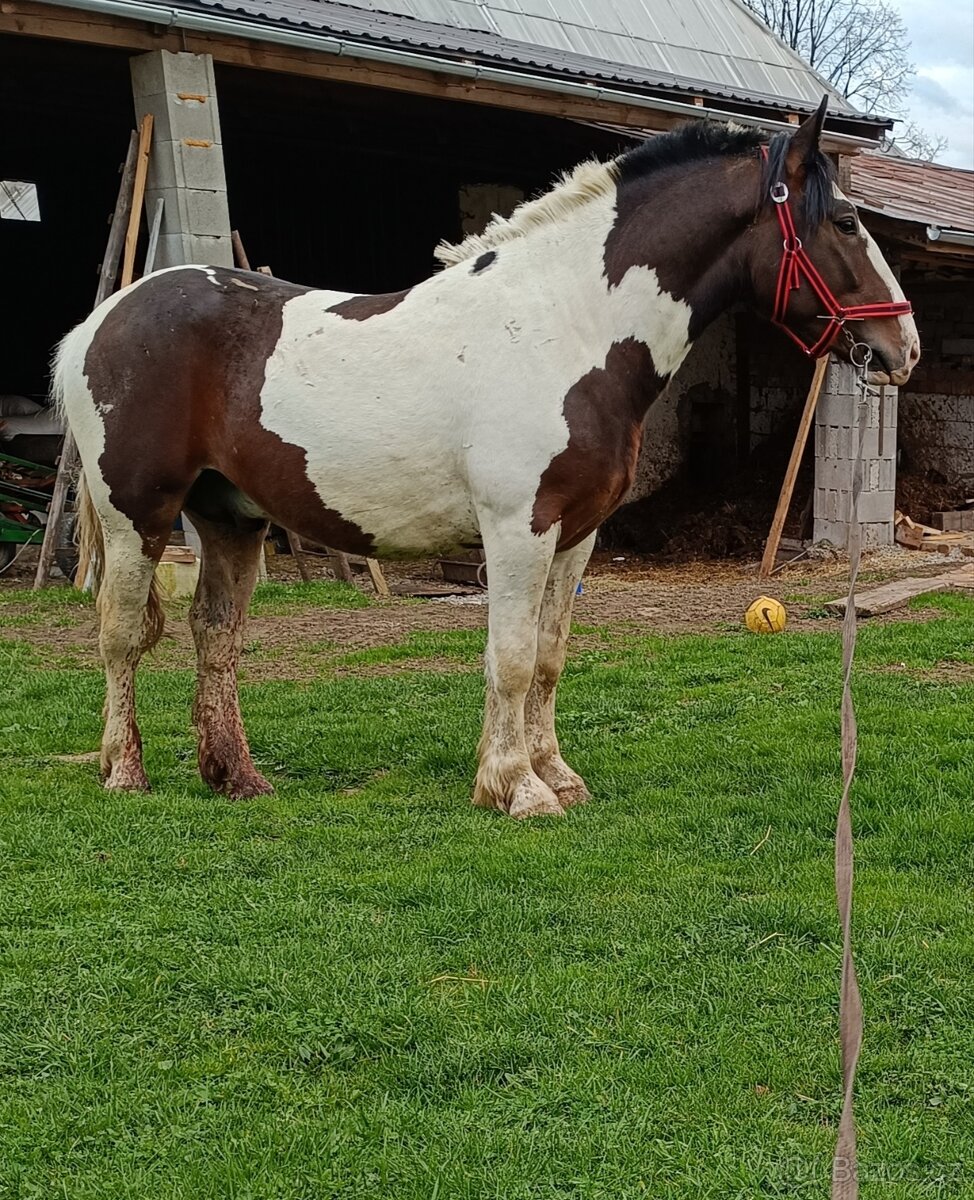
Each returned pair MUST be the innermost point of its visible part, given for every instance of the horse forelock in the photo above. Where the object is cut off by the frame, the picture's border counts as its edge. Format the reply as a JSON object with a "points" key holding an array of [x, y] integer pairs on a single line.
{"points": [[817, 194], [588, 181]]}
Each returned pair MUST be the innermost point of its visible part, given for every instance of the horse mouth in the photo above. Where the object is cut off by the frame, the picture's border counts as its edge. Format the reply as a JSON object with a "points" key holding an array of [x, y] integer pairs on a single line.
{"points": [[896, 378]]}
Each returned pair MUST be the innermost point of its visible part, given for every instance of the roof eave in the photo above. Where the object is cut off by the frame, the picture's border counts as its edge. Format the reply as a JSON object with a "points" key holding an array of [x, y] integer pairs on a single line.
{"points": [[849, 132]]}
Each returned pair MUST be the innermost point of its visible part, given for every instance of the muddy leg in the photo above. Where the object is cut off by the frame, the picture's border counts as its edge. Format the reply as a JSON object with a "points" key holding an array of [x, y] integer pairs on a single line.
{"points": [[539, 709], [228, 573], [518, 562], [128, 627]]}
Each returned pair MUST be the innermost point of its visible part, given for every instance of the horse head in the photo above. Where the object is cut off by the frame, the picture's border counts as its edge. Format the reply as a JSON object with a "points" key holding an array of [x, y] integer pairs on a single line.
{"points": [[816, 271]]}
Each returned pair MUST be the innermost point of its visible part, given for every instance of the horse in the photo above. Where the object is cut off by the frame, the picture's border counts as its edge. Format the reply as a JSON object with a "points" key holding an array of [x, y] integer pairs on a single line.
{"points": [[499, 403]]}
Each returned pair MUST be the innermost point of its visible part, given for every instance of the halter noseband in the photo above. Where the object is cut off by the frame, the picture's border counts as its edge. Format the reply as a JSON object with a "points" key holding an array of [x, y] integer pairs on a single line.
{"points": [[795, 264]]}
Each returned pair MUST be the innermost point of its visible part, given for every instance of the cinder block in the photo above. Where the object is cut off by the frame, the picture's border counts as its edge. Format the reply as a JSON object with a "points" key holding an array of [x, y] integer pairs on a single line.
{"points": [[876, 507], [181, 115], [833, 409], [162, 71], [877, 533], [836, 532], [179, 249], [193, 212], [174, 164]]}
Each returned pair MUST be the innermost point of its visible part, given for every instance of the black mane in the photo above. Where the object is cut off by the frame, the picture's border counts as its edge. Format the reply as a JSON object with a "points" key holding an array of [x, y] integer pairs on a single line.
{"points": [[697, 140]]}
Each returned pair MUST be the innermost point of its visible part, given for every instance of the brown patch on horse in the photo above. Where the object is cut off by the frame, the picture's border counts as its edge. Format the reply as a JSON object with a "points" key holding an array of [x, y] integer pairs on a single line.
{"points": [[360, 308], [178, 366], [604, 410]]}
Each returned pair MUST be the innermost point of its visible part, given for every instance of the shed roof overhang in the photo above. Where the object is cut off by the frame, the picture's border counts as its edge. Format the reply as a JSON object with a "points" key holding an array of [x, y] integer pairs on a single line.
{"points": [[134, 25]]}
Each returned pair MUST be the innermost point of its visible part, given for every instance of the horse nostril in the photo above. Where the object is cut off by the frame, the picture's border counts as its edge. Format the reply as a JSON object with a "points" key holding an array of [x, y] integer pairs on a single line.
{"points": [[914, 354]]}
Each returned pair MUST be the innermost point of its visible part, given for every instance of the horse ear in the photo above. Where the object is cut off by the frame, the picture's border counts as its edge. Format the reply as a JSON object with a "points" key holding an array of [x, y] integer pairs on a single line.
{"points": [[805, 139]]}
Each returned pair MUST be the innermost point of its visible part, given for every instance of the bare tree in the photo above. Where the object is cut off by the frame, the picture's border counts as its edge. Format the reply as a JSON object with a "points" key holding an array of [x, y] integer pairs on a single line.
{"points": [[915, 142], [860, 46]]}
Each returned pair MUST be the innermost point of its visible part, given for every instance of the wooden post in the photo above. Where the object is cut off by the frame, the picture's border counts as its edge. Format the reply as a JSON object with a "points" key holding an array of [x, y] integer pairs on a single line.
{"points": [[378, 579], [295, 543], [788, 486], [67, 465], [138, 194], [239, 253]]}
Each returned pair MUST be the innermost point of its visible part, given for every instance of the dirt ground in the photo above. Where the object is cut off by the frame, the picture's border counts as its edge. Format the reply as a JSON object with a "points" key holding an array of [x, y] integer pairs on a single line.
{"points": [[623, 594]]}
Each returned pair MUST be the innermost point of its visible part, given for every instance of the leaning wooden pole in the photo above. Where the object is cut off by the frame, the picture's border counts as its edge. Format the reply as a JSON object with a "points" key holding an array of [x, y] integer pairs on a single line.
{"points": [[788, 486], [138, 196], [67, 466]]}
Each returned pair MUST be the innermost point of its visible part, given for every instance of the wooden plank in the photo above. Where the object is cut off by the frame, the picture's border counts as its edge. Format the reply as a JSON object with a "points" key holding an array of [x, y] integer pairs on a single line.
{"points": [[378, 579], [791, 474], [68, 462], [900, 592], [138, 194]]}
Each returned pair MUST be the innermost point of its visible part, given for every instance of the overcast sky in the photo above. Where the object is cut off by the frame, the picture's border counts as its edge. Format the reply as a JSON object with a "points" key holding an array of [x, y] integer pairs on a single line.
{"points": [[942, 101]]}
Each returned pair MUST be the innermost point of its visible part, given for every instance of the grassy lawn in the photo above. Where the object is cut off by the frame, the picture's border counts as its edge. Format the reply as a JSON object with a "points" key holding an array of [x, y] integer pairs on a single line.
{"points": [[363, 987]]}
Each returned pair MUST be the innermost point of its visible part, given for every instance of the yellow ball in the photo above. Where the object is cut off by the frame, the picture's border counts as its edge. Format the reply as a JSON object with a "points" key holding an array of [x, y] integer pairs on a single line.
{"points": [[766, 616]]}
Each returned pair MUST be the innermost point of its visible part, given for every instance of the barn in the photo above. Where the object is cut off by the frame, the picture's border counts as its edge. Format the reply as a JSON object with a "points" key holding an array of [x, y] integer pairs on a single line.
{"points": [[344, 140]]}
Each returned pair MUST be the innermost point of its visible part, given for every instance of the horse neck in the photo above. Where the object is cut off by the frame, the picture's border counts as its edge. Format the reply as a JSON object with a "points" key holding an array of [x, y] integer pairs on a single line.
{"points": [[652, 262]]}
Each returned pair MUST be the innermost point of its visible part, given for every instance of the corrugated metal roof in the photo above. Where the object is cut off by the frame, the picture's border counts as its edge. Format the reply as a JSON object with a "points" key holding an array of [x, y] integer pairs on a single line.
{"points": [[911, 191], [706, 47]]}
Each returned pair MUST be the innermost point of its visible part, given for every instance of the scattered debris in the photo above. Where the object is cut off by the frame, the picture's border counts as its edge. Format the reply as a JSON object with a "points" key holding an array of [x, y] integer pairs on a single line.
{"points": [[900, 592]]}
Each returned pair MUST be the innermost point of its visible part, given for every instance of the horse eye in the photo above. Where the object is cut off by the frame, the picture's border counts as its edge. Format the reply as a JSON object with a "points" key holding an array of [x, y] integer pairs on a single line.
{"points": [[847, 224]]}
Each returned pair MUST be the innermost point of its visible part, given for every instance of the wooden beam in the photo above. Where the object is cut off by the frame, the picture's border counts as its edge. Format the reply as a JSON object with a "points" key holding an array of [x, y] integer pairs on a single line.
{"points": [[72, 25], [788, 486], [138, 195]]}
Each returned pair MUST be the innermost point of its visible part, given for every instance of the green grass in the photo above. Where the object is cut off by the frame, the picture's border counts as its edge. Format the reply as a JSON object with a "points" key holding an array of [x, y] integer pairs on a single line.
{"points": [[363, 987]]}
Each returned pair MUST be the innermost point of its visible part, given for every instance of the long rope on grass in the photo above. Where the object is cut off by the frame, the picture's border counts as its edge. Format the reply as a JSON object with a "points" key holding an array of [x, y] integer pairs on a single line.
{"points": [[845, 1165]]}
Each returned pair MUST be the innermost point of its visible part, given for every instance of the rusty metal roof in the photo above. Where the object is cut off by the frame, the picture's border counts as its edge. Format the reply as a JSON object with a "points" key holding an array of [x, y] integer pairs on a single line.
{"points": [[705, 47], [925, 193]]}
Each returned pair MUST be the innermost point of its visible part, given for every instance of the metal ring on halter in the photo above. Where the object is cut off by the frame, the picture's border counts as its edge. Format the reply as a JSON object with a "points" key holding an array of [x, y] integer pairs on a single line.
{"points": [[779, 193], [865, 358], [794, 248]]}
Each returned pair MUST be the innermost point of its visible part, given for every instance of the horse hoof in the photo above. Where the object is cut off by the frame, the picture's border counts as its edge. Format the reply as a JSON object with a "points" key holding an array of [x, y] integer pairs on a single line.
{"points": [[246, 787], [533, 798], [573, 794], [122, 778]]}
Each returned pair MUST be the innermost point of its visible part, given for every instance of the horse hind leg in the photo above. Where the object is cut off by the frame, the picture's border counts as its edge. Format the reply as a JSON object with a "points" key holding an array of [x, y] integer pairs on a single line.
{"points": [[228, 572], [539, 709], [130, 623]]}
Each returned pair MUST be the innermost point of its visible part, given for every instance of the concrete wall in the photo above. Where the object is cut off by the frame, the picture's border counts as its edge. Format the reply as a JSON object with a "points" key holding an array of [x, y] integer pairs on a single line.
{"points": [[937, 405], [697, 407]]}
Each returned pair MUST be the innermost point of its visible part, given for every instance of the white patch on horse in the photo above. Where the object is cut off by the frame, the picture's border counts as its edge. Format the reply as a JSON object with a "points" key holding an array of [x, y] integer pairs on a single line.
{"points": [[882, 268], [419, 421]]}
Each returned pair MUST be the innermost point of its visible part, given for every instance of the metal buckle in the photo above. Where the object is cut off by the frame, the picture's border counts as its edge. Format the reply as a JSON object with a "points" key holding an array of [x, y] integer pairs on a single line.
{"points": [[779, 193], [791, 249]]}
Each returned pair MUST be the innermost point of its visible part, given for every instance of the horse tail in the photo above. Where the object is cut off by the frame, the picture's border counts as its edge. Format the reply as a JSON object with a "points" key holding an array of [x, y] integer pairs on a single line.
{"points": [[89, 533]]}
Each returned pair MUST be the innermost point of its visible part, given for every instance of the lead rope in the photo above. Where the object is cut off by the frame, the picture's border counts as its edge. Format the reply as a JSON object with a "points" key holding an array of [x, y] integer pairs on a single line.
{"points": [[845, 1165]]}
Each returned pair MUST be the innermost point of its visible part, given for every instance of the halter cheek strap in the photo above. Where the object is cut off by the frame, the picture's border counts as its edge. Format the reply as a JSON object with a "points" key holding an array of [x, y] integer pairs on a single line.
{"points": [[795, 266]]}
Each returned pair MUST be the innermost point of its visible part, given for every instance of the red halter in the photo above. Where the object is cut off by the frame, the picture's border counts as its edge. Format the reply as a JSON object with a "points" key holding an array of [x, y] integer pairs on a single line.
{"points": [[795, 264]]}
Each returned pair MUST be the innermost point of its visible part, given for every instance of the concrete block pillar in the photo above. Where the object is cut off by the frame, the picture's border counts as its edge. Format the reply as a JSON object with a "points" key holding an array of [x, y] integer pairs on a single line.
{"points": [[836, 438], [186, 164]]}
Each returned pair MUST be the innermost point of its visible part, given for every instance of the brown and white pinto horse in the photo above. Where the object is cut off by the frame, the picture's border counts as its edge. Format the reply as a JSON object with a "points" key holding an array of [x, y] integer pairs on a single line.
{"points": [[501, 401]]}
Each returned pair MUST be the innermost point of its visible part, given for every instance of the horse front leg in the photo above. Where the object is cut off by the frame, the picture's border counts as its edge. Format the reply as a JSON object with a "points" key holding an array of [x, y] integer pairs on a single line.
{"points": [[518, 563], [228, 572], [539, 713]]}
